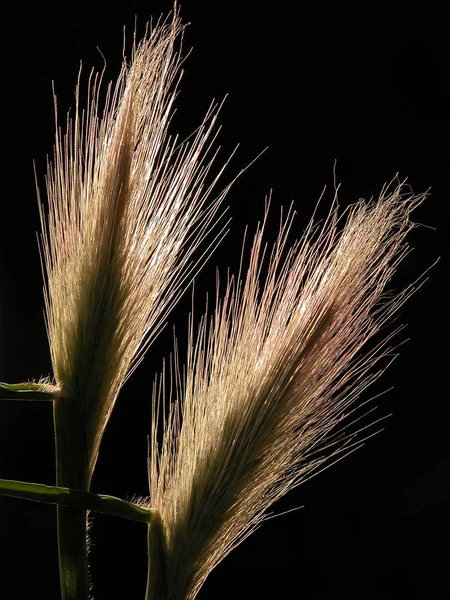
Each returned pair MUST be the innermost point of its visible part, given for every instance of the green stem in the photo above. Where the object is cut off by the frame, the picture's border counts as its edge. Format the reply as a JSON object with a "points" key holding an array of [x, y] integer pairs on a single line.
{"points": [[71, 472], [28, 391], [156, 577], [109, 505]]}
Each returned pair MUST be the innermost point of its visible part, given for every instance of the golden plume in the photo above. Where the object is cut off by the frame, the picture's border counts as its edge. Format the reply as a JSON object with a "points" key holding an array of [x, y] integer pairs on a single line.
{"points": [[269, 378], [128, 209]]}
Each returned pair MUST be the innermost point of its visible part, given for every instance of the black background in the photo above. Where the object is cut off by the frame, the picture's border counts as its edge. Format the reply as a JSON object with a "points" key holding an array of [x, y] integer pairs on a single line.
{"points": [[365, 84]]}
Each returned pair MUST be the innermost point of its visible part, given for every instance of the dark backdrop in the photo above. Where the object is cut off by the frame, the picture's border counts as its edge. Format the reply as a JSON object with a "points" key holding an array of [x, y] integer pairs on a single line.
{"points": [[365, 84]]}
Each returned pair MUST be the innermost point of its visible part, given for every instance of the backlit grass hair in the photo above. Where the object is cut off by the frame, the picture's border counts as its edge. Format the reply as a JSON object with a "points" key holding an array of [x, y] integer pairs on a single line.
{"points": [[128, 209], [269, 377]]}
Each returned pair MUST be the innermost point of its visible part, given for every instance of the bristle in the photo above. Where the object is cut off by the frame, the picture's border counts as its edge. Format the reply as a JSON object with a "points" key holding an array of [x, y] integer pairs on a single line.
{"points": [[270, 377]]}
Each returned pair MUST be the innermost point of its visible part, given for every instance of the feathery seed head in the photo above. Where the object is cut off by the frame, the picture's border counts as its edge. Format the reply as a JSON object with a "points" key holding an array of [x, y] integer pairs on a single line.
{"points": [[270, 376], [127, 212]]}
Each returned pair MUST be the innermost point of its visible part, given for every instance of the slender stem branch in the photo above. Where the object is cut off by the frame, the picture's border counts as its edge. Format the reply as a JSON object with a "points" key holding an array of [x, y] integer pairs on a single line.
{"points": [[72, 472], [156, 576], [109, 505], [28, 391]]}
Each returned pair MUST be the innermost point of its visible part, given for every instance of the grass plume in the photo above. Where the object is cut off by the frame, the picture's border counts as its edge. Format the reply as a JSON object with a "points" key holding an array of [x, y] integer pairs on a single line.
{"points": [[269, 377], [128, 210]]}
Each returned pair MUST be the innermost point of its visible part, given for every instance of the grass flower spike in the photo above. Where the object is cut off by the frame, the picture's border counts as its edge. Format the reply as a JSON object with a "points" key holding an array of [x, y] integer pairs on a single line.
{"points": [[269, 377], [127, 214]]}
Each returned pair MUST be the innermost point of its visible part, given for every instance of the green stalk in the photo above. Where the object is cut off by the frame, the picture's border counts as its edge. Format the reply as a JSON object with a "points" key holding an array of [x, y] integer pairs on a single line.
{"points": [[50, 494], [27, 391], [71, 472], [156, 577]]}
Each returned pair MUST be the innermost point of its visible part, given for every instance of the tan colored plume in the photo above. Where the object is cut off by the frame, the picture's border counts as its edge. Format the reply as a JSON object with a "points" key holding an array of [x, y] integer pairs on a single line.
{"points": [[270, 376], [128, 209]]}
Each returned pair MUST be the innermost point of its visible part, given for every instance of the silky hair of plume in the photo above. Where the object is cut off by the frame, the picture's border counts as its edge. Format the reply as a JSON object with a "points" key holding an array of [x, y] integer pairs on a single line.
{"points": [[129, 208], [269, 377]]}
